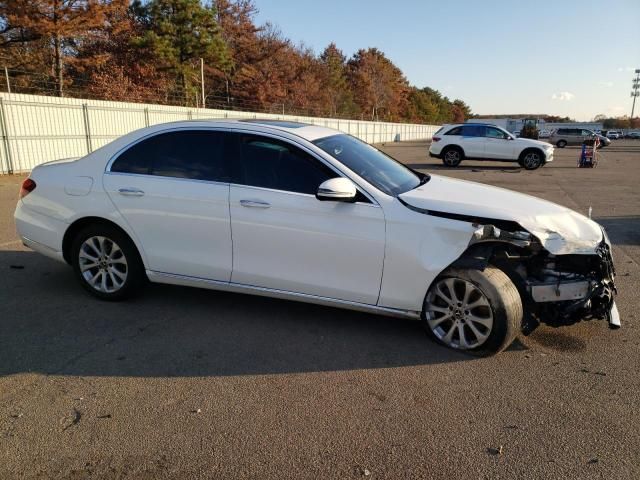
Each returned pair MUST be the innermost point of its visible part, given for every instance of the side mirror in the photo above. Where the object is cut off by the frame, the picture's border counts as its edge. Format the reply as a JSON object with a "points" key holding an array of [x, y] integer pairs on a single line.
{"points": [[338, 189]]}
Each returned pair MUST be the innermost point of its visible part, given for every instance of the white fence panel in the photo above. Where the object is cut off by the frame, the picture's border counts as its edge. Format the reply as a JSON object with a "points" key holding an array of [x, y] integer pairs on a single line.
{"points": [[36, 129]]}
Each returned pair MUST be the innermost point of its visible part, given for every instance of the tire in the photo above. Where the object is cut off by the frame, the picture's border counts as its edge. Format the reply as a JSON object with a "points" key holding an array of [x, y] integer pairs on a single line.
{"points": [[531, 159], [107, 263], [452, 156], [493, 308], [561, 143]]}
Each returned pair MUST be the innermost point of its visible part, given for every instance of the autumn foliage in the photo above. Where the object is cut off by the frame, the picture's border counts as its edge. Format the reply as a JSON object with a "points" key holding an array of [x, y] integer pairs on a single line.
{"points": [[151, 52]]}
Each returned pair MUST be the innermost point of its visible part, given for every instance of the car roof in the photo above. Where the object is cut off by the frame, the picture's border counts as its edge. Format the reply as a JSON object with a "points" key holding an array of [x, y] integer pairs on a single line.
{"points": [[307, 131], [474, 124]]}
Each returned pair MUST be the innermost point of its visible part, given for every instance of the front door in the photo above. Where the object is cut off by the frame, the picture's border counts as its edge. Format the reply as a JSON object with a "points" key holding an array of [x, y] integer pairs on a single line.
{"points": [[498, 144], [173, 191], [284, 238]]}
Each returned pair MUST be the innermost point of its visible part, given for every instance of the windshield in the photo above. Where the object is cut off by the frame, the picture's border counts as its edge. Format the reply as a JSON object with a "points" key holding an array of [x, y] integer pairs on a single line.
{"points": [[377, 168]]}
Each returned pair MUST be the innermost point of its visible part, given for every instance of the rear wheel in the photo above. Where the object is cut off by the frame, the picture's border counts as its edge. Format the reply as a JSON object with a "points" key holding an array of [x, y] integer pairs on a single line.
{"points": [[561, 143], [479, 311], [452, 156], [106, 262]]}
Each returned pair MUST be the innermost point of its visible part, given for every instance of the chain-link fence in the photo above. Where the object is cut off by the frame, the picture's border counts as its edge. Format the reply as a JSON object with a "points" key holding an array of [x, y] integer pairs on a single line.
{"points": [[36, 129]]}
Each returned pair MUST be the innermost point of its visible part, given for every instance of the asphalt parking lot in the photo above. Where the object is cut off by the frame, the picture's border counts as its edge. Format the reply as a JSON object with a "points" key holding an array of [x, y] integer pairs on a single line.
{"points": [[185, 383]]}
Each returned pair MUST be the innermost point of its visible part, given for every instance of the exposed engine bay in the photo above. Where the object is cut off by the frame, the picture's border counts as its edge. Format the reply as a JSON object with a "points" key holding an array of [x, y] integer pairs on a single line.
{"points": [[556, 290]]}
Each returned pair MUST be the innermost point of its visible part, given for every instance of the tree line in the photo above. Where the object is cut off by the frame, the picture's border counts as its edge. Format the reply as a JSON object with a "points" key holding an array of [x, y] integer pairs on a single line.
{"points": [[152, 51]]}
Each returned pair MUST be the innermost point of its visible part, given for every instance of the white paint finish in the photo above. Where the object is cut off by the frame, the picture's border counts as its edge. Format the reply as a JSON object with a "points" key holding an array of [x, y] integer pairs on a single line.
{"points": [[39, 228], [43, 128], [300, 244], [560, 229], [182, 225], [78, 186], [500, 148], [273, 293], [418, 248], [472, 146]]}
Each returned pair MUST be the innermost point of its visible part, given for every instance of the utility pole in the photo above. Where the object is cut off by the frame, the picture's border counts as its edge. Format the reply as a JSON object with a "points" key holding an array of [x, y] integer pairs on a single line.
{"points": [[202, 80], [635, 92], [6, 76]]}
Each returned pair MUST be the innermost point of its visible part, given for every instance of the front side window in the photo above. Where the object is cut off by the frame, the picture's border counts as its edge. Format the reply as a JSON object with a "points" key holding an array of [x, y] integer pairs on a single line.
{"points": [[191, 154], [493, 132], [377, 168], [278, 165]]}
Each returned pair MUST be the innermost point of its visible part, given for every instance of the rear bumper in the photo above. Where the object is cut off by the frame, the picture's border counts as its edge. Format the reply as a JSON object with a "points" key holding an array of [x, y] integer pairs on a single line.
{"points": [[40, 232]]}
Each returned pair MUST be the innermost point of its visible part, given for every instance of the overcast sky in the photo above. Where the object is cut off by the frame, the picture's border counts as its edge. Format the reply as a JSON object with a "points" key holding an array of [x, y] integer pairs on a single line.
{"points": [[566, 57]]}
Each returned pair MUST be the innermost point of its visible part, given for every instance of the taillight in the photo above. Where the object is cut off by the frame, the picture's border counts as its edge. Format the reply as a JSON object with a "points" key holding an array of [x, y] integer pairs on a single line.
{"points": [[28, 186], [435, 139]]}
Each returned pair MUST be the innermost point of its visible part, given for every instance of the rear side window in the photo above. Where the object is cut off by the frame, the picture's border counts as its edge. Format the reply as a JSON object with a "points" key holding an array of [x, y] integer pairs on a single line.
{"points": [[473, 130], [278, 165], [562, 131], [454, 131], [192, 154]]}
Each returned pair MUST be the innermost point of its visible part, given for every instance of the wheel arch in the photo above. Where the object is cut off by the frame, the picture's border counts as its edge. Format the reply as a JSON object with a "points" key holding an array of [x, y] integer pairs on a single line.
{"points": [[532, 149], [80, 223], [453, 146]]}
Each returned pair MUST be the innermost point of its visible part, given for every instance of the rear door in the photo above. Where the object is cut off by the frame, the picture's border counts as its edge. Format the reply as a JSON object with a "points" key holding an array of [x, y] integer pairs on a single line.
{"points": [[575, 136], [172, 189], [473, 140]]}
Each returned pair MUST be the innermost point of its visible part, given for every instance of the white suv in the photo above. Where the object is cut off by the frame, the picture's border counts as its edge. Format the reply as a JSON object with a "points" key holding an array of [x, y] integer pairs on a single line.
{"points": [[476, 141]]}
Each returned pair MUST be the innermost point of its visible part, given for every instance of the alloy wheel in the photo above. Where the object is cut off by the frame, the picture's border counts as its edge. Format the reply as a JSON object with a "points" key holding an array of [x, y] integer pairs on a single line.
{"points": [[458, 313], [452, 157], [103, 264], [531, 160]]}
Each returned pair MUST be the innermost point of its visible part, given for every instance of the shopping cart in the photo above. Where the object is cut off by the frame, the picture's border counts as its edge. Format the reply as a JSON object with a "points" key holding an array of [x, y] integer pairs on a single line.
{"points": [[589, 153]]}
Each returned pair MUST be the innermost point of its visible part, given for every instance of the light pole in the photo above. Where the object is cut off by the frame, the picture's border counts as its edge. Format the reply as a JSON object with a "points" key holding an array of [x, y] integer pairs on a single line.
{"points": [[635, 92]]}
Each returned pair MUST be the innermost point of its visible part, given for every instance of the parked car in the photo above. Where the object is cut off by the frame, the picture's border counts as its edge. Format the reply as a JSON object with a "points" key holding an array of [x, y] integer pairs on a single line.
{"points": [[544, 134], [475, 141], [321, 217], [563, 137], [614, 134], [633, 135]]}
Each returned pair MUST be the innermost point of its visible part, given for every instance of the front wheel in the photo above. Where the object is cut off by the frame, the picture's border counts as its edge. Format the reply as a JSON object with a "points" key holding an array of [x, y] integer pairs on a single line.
{"points": [[531, 160], [479, 311]]}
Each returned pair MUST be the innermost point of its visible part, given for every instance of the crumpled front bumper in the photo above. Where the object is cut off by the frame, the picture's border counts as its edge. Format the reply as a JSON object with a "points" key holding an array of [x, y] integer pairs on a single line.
{"points": [[591, 297]]}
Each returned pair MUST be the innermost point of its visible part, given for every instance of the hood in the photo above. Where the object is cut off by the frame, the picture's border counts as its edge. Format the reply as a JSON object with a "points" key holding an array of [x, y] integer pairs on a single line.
{"points": [[559, 229], [529, 142]]}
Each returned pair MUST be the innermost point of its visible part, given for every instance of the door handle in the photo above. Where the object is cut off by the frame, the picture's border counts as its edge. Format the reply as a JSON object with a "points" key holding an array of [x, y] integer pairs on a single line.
{"points": [[254, 204], [131, 192]]}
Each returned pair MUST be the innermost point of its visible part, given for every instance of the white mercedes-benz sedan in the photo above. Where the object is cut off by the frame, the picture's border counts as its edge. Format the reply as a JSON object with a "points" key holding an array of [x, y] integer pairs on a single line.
{"points": [[307, 213]]}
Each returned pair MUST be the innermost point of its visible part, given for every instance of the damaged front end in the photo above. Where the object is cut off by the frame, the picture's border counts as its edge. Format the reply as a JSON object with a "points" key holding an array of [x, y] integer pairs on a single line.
{"points": [[556, 289]]}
